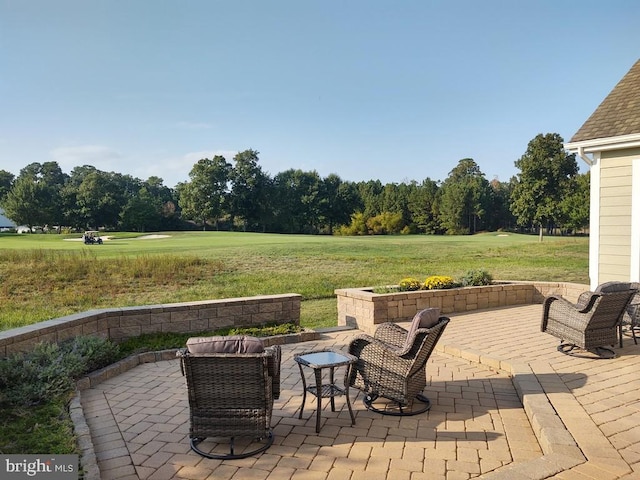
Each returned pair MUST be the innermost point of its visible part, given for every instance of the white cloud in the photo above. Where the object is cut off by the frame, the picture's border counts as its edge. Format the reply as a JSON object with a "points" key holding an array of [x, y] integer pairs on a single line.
{"points": [[173, 170], [101, 157]]}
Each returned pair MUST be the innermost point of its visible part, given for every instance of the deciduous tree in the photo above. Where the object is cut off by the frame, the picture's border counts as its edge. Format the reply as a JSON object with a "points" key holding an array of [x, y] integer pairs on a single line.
{"points": [[204, 198], [6, 180], [338, 200], [297, 201], [546, 171], [51, 179], [27, 203], [574, 206], [141, 213], [250, 188]]}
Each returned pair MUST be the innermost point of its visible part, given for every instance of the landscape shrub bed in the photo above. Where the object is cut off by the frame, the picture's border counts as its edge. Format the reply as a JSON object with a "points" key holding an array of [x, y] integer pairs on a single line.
{"points": [[50, 369], [36, 387], [35, 390]]}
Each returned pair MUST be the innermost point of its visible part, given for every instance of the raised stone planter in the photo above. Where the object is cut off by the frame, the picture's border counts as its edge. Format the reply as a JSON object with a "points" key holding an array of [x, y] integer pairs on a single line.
{"points": [[361, 308]]}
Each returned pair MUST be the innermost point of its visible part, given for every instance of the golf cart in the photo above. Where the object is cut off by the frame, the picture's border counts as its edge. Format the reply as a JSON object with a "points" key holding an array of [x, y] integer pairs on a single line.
{"points": [[91, 237]]}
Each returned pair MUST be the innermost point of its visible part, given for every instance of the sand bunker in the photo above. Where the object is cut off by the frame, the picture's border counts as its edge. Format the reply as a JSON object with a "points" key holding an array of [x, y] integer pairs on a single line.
{"points": [[148, 237]]}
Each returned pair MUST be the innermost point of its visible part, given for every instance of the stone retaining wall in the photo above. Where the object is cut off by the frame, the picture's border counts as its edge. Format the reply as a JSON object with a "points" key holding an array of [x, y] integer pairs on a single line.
{"points": [[118, 324], [361, 308]]}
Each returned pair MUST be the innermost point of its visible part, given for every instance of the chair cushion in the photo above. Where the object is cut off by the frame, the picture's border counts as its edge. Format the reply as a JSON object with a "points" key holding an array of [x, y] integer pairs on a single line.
{"points": [[426, 318], [225, 344]]}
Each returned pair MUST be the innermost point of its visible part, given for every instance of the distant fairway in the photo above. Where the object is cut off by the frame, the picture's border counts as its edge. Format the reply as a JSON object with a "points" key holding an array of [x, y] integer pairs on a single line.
{"points": [[45, 276]]}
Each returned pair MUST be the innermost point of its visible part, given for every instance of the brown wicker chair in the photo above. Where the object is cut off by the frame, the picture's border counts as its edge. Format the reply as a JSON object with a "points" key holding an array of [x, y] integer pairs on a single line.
{"points": [[631, 316], [392, 365], [231, 395], [592, 323]]}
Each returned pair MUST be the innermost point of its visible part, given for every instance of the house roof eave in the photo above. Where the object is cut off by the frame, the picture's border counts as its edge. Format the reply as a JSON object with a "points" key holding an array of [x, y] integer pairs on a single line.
{"points": [[603, 144]]}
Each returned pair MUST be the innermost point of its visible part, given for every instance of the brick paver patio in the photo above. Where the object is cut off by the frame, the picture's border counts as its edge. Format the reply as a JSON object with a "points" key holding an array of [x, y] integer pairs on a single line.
{"points": [[506, 405]]}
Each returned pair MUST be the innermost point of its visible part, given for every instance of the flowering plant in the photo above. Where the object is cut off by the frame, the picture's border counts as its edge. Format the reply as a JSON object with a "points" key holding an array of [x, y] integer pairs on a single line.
{"points": [[409, 284], [436, 282]]}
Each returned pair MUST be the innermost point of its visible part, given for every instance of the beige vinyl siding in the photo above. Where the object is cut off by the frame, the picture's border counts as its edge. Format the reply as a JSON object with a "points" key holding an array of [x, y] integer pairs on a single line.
{"points": [[615, 218]]}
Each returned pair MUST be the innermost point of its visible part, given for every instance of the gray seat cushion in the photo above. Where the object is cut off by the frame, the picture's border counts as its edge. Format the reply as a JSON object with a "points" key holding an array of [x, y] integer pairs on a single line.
{"points": [[426, 318], [224, 344]]}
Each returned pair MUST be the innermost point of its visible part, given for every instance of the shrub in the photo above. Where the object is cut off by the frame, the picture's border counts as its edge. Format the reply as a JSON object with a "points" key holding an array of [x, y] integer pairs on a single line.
{"points": [[475, 278], [50, 369], [87, 354], [35, 377], [384, 224], [436, 282], [358, 226], [409, 284]]}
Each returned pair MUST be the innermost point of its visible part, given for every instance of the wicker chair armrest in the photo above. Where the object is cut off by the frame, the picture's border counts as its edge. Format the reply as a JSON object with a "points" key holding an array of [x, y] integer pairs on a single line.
{"points": [[379, 353], [389, 358], [583, 299], [586, 307], [273, 366], [583, 305], [359, 342], [561, 309], [391, 334]]}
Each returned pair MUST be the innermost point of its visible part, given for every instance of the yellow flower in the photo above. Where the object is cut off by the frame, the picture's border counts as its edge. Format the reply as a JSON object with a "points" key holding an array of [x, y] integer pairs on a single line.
{"points": [[409, 284], [437, 282]]}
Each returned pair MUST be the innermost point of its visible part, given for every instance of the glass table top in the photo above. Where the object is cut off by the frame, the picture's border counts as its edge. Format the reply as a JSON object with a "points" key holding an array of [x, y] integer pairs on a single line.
{"points": [[324, 359]]}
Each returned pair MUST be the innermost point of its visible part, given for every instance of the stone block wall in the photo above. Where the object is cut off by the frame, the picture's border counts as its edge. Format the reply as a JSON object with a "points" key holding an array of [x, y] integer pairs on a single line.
{"points": [[361, 308], [119, 324]]}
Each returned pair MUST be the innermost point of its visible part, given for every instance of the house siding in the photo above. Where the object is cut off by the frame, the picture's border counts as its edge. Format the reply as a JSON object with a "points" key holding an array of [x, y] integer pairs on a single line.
{"points": [[615, 214], [609, 142]]}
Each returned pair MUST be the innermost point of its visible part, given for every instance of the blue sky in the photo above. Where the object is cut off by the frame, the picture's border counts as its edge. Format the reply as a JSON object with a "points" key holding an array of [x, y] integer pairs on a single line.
{"points": [[388, 90]]}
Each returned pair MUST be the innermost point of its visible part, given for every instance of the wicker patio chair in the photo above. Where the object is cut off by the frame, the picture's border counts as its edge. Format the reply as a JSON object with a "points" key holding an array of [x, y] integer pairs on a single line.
{"points": [[231, 389], [392, 363], [631, 317], [592, 323]]}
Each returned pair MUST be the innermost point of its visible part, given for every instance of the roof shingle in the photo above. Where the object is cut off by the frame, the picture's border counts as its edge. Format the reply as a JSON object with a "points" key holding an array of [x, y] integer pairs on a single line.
{"points": [[619, 112]]}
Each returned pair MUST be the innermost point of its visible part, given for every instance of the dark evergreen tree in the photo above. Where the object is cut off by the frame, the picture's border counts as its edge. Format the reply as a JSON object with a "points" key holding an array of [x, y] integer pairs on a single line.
{"points": [[464, 200], [423, 207]]}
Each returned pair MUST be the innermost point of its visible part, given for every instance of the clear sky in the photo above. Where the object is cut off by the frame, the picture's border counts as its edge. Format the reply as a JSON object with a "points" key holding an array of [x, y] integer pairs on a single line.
{"points": [[394, 90]]}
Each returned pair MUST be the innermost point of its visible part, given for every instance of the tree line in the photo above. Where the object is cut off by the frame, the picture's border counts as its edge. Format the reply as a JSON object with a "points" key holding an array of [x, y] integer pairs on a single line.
{"points": [[547, 194]]}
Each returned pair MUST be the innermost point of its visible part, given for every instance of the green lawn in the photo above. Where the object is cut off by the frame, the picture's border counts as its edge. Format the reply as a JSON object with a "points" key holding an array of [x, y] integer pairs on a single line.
{"points": [[46, 276]]}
